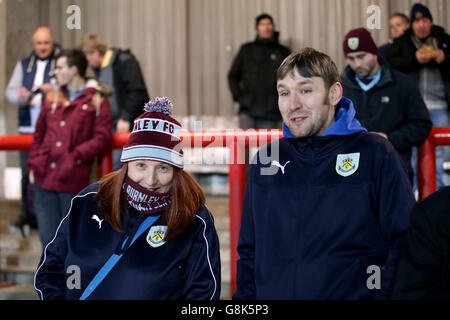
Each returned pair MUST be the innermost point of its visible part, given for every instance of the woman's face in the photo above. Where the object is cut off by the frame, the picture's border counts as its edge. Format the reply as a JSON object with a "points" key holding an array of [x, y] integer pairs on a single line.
{"points": [[152, 175]]}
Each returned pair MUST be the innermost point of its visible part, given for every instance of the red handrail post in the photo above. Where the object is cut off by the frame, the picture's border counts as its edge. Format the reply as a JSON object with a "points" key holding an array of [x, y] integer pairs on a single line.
{"points": [[237, 181], [426, 173], [105, 163]]}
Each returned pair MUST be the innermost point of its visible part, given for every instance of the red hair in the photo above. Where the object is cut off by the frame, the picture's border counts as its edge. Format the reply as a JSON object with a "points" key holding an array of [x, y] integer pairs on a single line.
{"points": [[187, 199]]}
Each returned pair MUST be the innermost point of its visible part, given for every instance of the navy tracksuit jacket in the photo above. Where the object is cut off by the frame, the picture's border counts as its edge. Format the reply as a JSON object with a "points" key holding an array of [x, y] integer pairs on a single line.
{"points": [[187, 267], [336, 206]]}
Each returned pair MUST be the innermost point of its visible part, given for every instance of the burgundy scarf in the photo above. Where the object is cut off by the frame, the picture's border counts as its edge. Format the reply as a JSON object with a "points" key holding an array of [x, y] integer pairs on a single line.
{"points": [[144, 200]]}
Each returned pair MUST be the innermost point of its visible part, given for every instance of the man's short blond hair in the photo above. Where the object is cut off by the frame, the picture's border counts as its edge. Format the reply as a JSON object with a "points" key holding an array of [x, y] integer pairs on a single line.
{"points": [[91, 42]]}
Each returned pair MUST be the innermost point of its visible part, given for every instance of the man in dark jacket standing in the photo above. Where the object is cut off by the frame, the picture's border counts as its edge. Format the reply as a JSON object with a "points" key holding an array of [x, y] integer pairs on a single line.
{"points": [[121, 71], [424, 269], [252, 77], [386, 101], [326, 215], [423, 53]]}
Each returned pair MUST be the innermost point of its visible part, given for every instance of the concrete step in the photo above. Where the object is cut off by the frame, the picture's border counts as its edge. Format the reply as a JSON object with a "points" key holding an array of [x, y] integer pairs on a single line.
{"points": [[28, 258], [18, 292], [22, 275], [14, 242], [10, 207]]}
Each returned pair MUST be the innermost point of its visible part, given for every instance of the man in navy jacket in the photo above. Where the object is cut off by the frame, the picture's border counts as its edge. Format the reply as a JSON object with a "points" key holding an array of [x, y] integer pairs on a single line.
{"points": [[386, 100], [325, 216]]}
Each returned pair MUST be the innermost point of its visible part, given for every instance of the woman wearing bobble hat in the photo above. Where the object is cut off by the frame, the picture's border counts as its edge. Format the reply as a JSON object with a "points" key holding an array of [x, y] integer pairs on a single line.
{"points": [[142, 232]]}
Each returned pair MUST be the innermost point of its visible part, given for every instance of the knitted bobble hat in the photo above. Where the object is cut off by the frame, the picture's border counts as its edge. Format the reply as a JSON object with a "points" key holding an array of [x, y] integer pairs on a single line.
{"points": [[155, 135]]}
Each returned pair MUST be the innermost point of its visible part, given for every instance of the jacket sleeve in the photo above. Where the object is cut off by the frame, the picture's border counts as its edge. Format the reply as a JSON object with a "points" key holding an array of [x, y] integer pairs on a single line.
{"points": [[402, 56], [203, 267], [445, 46], [101, 138], [420, 263], [133, 83], [235, 75], [246, 248], [395, 201], [417, 124], [38, 136], [50, 280], [11, 92]]}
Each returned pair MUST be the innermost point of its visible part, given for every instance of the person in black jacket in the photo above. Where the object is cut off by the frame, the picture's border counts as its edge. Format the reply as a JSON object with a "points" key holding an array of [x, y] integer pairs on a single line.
{"points": [[423, 53], [386, 101], [120, 70], [424, 269], [398, 24], [252, 77]]}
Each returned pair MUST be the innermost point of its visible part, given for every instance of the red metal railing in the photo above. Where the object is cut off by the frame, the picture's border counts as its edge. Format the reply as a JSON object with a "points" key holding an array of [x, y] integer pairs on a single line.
{"points": [[238, 140], [427, 160]]}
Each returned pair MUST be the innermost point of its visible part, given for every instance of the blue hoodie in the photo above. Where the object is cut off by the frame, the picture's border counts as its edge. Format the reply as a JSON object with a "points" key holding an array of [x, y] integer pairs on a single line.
{"points": [[324, 217]]}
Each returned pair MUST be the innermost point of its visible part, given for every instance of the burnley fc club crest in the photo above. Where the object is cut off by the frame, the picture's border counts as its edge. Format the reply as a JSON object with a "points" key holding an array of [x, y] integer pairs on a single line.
{"points": [[353, 43], [155, 236], [347, 164]]}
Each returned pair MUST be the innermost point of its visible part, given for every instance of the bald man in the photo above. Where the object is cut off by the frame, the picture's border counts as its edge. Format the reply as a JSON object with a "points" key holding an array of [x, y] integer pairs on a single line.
{"points": [[30, 80]]}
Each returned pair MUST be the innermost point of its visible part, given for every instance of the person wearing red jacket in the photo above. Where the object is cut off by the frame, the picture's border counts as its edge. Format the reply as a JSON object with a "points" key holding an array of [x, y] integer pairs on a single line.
{"points": [[73, 128]]}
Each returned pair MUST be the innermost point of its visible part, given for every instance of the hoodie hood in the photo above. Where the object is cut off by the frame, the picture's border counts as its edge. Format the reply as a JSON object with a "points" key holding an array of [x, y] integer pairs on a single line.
{"points": [[345, 121], [273, 40], [102, 88]]}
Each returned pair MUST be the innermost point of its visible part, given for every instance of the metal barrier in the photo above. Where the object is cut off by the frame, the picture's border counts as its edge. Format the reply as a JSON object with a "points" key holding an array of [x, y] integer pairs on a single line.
{"points": [[427, 160], [238, 140]]}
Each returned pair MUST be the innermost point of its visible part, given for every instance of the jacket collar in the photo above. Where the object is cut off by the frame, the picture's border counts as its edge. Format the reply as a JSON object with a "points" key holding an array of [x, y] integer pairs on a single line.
{"points": [[348, 75], [273, 40]]}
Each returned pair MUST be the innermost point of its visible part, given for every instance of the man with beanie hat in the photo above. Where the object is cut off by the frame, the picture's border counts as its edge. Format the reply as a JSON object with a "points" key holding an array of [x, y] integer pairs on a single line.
{"points": [[423, 53], [386, 101], [252, 79]]}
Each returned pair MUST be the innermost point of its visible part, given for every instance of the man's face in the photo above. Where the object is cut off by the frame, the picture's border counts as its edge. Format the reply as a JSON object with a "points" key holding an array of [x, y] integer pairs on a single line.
{"points": [[363, 63], [94, 58], [63, 73], [397, 26], [43, 43], [265, 29], [422, 27], [304, 106]]}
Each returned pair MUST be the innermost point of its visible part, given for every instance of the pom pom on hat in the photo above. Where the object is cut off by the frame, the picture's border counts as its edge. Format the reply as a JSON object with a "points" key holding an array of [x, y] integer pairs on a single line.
{"points": [[159, 104]]}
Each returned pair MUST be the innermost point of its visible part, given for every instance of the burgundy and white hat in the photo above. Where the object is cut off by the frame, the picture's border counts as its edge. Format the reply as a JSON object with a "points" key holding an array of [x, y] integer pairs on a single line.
{"points": [[155, 135]]}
